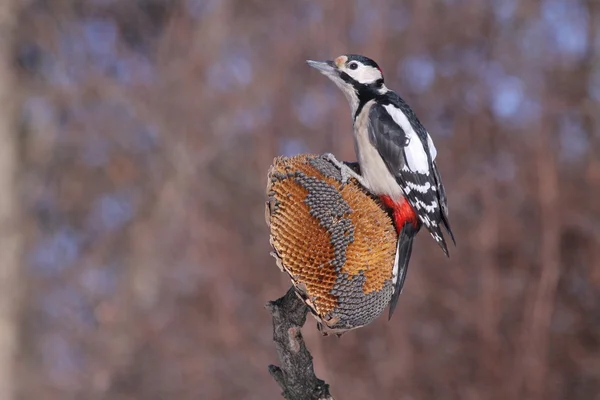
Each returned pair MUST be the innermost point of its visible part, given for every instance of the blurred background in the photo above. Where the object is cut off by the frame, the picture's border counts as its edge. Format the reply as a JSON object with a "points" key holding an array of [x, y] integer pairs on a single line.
{"points": [[136, 136]]}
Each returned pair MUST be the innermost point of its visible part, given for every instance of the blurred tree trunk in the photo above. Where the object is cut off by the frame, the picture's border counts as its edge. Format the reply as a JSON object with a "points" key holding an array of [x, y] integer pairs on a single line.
{"points": [[10, 240]]}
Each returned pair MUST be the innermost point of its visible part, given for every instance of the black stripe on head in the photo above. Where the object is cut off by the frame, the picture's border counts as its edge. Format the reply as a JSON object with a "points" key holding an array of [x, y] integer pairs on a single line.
{"points": [[348, 79], [365, 92], [362, 88]]}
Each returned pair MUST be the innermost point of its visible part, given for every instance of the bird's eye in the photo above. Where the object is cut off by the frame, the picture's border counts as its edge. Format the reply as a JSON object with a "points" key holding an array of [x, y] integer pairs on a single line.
{"points": [[353, 65]]}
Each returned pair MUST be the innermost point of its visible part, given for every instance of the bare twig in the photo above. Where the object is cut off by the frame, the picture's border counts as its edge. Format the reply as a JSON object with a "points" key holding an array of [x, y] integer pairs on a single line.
{"points": [[296, 376]]}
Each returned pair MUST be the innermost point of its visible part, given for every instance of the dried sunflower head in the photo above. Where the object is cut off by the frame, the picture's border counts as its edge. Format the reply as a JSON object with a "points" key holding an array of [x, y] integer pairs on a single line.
{"points": [[335, 241]]}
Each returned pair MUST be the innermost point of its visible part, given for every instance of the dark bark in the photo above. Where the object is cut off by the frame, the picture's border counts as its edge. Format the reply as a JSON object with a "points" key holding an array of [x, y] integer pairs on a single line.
{"points": [[296, 376]]}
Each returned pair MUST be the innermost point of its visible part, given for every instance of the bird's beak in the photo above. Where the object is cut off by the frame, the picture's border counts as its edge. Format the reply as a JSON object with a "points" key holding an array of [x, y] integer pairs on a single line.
{"points": [[325, 67]]}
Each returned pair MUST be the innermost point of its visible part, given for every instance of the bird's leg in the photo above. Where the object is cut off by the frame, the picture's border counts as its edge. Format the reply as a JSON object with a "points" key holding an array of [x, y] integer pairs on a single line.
{"points": [[346, 171]]}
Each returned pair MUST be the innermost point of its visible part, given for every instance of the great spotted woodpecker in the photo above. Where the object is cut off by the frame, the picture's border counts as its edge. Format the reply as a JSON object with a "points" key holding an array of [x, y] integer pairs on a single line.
{"points": [[396, 157]]}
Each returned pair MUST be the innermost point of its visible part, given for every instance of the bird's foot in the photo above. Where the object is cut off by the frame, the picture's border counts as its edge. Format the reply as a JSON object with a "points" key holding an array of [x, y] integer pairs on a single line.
{"points": [[346, 171]]}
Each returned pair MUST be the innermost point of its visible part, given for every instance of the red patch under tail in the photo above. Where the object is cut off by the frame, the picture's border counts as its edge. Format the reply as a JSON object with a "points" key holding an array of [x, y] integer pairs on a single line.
{"points": [[402, 212]]}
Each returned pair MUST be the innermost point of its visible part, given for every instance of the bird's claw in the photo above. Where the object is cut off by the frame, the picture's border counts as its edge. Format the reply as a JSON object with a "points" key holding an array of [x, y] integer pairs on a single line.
{"points": [[345, 176], [345, 170], [340, 165]]}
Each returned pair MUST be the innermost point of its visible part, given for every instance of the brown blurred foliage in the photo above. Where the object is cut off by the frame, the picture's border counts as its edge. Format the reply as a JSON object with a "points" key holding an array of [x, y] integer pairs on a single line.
{"points": [[146, 131]]}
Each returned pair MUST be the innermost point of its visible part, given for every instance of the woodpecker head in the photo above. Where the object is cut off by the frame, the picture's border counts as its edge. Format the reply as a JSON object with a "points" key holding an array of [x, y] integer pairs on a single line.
{"points": [[357, 76]]}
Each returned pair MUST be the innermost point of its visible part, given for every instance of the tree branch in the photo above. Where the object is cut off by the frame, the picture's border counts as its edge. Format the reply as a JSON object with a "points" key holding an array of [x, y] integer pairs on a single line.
{"points": [[296, 376]]}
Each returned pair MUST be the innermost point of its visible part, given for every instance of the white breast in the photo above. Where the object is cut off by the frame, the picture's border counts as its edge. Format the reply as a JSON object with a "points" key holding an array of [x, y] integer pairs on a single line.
{"points": [[372, 168]]}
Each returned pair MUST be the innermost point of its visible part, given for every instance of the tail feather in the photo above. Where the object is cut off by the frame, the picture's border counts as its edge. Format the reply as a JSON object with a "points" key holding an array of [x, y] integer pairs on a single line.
{"points": [[448, 229], [403, 253]]}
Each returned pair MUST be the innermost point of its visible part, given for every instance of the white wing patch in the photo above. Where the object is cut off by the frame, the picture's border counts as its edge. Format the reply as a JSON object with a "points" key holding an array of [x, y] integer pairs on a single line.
{"points": [[416, 158], [410, 186], [430, 208], [395, 269], [432, 149]]}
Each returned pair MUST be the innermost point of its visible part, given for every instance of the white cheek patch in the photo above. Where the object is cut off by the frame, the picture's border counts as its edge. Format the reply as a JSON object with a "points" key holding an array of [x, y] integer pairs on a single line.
{"points": [[416, 157], [368, 74], [364, 74]]}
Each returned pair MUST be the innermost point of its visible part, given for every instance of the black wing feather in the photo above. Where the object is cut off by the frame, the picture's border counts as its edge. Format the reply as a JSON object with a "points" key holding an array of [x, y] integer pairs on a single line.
{"points": [[443, 202], [391, 141]]}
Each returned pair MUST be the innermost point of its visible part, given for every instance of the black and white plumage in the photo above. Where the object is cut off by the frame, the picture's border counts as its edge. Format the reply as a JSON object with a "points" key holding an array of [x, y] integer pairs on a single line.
{"points": [[395, 152], [409, 154]]}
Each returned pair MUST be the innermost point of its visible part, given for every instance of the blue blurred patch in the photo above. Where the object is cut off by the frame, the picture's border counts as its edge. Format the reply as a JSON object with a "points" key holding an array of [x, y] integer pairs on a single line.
{"points": [[419, 71], [56, 252], [95, 152], [111, 212], [398, 17], [310, 109], [594, 83], [100, 36], [99, 281], [573, 138], [507, 96], [231, 71], [199, 9], [61, 358], [568, 23], [66, 303], [88, 48], [39, 113], [292, 146], [504, 10]]}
